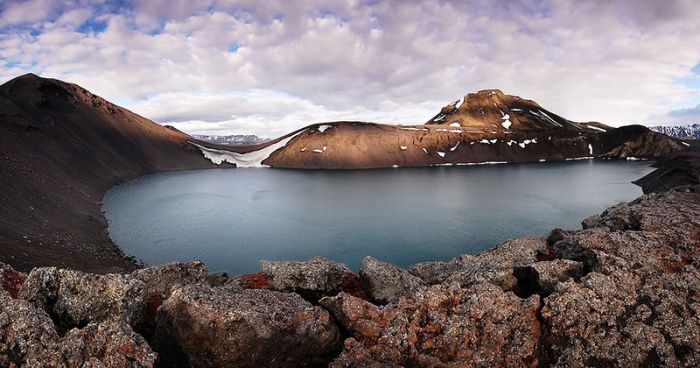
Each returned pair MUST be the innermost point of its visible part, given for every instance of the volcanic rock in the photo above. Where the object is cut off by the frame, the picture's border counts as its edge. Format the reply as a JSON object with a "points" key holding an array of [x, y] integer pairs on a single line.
{"points": [[11, 280], [318, 276], [637, 306], [443, 325], [201, 326], [387, 283], [73, 298], [495, 265], [108, 344], [27, 334]]}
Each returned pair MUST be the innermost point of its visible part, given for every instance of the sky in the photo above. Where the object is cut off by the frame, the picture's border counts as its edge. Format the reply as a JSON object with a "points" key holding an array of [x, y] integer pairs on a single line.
{"points": [[269, 67]]}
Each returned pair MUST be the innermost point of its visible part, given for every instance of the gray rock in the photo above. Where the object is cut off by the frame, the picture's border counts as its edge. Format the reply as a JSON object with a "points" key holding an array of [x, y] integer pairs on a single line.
{"points": [[387, 283], [543, 277], [496, 265], [315, 275], [27, 335], [201, 326], [107, 344], [73, 298], [161, 280]]}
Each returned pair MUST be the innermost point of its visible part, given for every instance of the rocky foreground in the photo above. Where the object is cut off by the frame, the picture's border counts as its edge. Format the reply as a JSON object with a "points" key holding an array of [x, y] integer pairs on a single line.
{"points": [[624, 291]]}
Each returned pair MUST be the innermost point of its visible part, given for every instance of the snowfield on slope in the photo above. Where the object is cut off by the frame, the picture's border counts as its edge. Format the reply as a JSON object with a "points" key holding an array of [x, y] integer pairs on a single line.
{"points": [[248, 159]]}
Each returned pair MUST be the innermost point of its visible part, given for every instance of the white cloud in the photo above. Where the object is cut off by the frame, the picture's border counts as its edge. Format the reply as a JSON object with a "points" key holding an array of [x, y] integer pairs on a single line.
{"points": [[612, 61]]}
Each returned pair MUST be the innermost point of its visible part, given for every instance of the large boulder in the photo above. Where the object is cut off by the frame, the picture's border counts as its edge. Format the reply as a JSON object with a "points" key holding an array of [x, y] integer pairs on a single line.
{"points": [[73, 298], [27, 335], [160, 281], [107, 344], [201, 326], [440, 326], [317, 276], [385, 282]]}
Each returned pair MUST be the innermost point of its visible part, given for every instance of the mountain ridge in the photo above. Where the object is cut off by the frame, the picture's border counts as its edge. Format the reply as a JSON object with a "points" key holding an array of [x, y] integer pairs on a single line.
{"points": [[62, 148]]}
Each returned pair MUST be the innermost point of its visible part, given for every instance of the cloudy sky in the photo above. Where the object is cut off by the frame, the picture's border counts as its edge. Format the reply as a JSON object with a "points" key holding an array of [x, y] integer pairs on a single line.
{"points": [[267, 67]]}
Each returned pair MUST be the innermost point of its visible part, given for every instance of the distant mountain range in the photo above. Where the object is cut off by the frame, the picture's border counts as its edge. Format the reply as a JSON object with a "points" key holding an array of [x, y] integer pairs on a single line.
{"points": [[679, 131], [231, 139]]}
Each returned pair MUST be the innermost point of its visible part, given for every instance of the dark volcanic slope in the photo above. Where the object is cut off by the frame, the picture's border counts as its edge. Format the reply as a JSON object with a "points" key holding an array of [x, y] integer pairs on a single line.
{"points": [[61, 149]]}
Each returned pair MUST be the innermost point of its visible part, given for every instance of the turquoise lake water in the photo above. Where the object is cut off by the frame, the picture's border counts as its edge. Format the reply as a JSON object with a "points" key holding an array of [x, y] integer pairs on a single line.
{"points": [[232, 218]]}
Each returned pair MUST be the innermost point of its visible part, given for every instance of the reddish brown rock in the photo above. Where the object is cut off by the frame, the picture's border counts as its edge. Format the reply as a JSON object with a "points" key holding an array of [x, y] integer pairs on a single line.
{"points": [[200, 326], [11, 280], [443, 325]]}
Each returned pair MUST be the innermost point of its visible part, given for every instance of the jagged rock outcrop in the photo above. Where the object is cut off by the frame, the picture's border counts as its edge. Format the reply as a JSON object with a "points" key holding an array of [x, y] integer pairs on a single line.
{"points": [[201, 326]]}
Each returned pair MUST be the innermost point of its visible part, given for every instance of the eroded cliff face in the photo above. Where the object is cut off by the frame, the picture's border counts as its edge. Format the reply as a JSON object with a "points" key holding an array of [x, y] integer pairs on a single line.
{"points": [[623, 291], [482, 128]]}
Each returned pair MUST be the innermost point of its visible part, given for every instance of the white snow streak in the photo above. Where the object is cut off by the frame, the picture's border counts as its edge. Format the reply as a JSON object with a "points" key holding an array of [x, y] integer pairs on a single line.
{"points": [[248, 159]]}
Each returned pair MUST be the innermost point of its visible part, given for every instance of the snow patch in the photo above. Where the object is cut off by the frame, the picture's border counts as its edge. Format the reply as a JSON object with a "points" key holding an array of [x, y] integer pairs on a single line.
{"points": [[248, 159], [403, 148], [481, 163], [596, 128], [542, 160], [506, 120], [440, 117], [685, 144], [317, 151], [590, 149], [459, 103], [455, 125], [425, 150], [441, 154], [455, 147], [322, 128], [542, 115], [414, 129]]}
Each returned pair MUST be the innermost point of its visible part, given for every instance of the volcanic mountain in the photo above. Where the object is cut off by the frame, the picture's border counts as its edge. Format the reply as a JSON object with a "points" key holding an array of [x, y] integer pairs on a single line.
{"points": [[61, 149], [480, 128]]}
